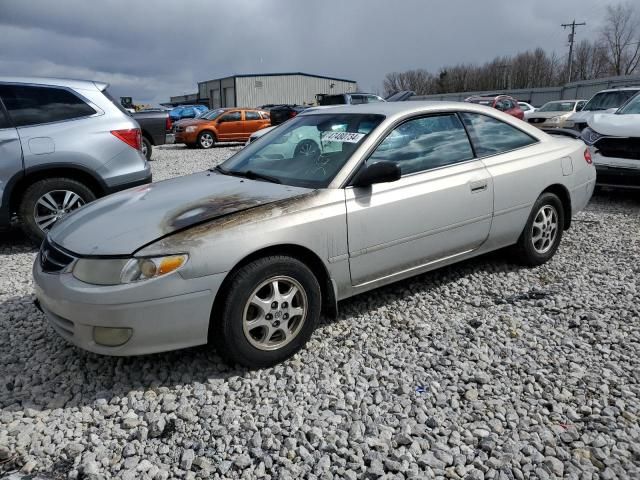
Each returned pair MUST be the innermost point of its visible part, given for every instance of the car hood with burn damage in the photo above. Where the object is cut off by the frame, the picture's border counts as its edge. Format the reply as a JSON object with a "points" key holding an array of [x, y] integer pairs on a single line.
{"points": [[124, 222]]}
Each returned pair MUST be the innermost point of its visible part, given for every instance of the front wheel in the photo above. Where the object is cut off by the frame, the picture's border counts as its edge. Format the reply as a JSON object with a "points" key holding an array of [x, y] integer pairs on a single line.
{"points": [[47, 201], [206, 139], [542, 234], [271, 308]]}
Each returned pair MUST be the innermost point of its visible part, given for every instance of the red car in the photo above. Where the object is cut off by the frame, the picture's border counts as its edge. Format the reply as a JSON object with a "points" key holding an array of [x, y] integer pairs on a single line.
{"points": [[504, 103]]}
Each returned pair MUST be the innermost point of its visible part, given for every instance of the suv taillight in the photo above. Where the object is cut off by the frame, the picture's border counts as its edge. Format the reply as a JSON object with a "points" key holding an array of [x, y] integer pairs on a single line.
{"points": [[131, 136], [168, 124], [587, 156], [292, 113]]}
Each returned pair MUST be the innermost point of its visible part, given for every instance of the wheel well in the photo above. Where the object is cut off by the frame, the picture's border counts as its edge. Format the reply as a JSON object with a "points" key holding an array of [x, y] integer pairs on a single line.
{"points": [[563, 194], [306, 256], [72, 173], [146, 135]]}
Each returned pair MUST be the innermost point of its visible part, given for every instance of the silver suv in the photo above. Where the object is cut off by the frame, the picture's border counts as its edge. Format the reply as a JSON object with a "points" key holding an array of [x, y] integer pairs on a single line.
{"points": [[63, 143]]}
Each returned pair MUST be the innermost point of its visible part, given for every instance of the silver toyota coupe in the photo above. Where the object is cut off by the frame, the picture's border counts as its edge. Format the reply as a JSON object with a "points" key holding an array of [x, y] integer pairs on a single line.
{"points": [[328, 205]]}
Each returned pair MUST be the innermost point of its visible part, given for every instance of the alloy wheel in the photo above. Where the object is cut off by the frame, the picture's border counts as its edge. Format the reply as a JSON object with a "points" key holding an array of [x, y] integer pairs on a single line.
{"points": [[206, 140], [544, 229], [54, 205], [274, 313]]}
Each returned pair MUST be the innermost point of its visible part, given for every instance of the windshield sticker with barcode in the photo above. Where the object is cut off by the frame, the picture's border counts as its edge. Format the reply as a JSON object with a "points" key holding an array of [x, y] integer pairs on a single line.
{"points": [[346, 137]]}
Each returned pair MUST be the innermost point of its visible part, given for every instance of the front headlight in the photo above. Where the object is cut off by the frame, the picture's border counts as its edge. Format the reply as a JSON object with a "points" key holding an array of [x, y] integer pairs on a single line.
{"points": [[590, 136], [554, 119], [115, 271], [190, 129]]}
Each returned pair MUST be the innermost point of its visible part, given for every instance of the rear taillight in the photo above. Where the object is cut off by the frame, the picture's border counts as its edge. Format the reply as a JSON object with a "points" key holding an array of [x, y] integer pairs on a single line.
{"points": [[587, 156], [168, 124], [292, 114], [131, 136]]}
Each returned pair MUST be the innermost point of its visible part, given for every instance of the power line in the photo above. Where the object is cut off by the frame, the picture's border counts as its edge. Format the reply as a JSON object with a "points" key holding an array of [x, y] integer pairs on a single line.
{"points": [[572, 36]]}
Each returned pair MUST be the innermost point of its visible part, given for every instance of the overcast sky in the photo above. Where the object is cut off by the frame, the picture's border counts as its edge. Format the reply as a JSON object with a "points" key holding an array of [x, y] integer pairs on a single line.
{"points": [[153, 49]]}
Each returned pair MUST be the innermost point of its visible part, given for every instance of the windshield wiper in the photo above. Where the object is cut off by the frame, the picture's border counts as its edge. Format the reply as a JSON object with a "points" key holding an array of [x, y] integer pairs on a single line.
{"points": [[250, 174]]}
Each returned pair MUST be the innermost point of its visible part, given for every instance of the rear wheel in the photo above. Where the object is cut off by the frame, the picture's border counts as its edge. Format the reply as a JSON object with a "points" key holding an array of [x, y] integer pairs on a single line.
{"points": [[542, 234], [146, 148], [47, 201], [206, 139], [271, 308]]}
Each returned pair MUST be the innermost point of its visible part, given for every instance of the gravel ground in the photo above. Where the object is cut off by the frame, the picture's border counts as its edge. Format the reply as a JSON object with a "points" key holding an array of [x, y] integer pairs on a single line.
{"points": [[480, 370]]}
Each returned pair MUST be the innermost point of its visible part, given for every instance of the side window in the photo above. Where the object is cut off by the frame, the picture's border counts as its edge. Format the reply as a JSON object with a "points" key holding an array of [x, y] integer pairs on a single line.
{"points": [[425, 143], [503, 104], [373, 99], [580, 105], [251, 115], [29, 105], [265, 115], [231, 117], [491, 136], [357, 99]]}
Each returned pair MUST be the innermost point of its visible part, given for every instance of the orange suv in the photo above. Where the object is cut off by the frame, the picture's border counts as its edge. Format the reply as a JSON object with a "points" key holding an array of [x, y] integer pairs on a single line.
{"points": [[221, 125]]}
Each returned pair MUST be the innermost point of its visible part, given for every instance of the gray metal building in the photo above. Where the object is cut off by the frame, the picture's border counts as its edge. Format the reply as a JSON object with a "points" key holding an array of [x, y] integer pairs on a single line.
{"points": [[253, 90]]}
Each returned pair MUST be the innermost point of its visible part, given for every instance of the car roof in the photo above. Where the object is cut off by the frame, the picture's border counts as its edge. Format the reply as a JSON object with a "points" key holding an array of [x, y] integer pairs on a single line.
{"points": [[56, 82], [398, 108], [618, 89]]}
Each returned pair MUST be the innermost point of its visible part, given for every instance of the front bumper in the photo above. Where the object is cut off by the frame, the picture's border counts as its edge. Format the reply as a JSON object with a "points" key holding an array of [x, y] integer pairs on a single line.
{"points": [[184, 137], [611, 176], [166, 313]]}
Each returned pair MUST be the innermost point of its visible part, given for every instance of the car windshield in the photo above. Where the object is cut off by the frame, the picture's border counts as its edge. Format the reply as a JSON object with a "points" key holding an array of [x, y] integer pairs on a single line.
{"points": [[557, 107], [606, 100], [332, 100], [211, 114], [631, 107], [306, 151]]}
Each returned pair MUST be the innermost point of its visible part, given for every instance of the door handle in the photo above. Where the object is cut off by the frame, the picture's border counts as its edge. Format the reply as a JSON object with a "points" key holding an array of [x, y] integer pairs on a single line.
{"points": [[479, 186]]}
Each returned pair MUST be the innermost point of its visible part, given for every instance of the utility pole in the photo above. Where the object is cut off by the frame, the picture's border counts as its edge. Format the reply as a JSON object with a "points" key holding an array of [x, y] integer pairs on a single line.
{"points": [[572, 37]]}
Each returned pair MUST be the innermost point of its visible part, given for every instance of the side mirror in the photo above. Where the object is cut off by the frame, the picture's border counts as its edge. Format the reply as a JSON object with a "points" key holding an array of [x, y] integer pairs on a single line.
{"points": [[379, 172]]}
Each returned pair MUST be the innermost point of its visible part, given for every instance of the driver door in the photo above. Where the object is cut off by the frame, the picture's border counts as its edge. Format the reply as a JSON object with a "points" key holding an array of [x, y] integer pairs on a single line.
{"points": [[440, 208], [230, 127]]}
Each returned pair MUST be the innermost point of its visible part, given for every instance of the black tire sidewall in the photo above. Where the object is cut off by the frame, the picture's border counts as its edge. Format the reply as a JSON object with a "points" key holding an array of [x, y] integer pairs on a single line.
{"points": [[37, 190], [149, 148], [200, 137], [229, 334], [529, 255]]}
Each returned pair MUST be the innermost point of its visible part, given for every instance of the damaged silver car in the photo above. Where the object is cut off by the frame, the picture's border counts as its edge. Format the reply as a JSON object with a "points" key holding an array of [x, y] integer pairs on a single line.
{"points": [[249, 254]]}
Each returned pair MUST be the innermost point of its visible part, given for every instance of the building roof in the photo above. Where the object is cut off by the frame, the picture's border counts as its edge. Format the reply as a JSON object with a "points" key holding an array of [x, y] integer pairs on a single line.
{"points": [[279, 75]]}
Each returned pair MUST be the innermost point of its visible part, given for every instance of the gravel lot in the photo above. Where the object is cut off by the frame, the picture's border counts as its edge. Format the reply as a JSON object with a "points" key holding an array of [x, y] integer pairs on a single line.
{"points": [[480, 370]]}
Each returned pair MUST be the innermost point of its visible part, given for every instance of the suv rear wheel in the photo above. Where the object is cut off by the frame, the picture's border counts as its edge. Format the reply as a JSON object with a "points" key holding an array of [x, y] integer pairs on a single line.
{"points": [[146, 148], [47, 201]]}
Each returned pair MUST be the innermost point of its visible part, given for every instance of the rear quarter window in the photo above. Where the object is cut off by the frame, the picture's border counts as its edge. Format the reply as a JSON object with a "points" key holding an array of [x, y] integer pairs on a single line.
{"points": [[33, 105], [491, 136]]}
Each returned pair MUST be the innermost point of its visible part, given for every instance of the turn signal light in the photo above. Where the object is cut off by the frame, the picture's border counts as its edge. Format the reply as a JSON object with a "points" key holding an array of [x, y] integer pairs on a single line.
{"points": [[587, 156]]}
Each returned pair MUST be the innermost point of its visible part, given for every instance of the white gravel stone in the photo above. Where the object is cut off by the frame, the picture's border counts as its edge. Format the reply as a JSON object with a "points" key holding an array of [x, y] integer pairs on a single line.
{"points": [[480, 370]]}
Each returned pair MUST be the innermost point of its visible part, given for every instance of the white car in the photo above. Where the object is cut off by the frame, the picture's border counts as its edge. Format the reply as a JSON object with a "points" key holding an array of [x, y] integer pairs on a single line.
{"points": [[607, 101], [555, 114], [614, 141], [527, 108]]}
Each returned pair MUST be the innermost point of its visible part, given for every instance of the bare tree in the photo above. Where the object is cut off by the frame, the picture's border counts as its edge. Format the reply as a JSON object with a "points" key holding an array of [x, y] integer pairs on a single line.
{"points": [[420, 81], [621, 38]]}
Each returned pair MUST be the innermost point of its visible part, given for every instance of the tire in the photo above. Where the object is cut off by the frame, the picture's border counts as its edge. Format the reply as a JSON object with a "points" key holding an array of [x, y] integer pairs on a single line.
{"points": [[541, 236], [206, 139], [307, 148], [147, 148], [260, 343], [35, 204]]}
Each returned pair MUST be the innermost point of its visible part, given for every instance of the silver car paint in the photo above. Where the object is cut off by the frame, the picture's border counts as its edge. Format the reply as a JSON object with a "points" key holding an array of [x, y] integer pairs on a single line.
{"points": [[84, 142], [363, 238]]}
